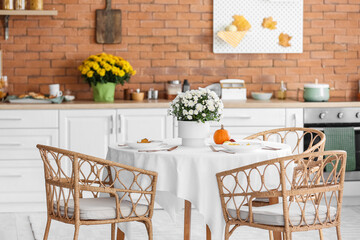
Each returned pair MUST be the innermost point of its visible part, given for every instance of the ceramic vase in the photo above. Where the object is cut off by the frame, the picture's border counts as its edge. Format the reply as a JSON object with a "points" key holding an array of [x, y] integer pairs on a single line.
{"points": [[193, 133]]}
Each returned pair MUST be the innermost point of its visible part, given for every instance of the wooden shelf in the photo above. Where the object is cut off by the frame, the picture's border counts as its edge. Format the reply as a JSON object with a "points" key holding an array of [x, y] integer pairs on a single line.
{"points": [[28, 12], [8, 13]]}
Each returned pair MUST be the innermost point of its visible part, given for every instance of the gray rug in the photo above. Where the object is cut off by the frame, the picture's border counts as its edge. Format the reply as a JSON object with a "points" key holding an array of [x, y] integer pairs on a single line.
{"points": [[166, 229]]}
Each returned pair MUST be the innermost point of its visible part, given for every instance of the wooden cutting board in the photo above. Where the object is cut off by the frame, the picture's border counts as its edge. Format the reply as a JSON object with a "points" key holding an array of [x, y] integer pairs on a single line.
{"points": [[108, 24]]}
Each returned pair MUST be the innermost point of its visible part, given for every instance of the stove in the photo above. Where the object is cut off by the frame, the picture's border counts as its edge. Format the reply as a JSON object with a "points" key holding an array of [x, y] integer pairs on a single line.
{"points": [[320, 118]]}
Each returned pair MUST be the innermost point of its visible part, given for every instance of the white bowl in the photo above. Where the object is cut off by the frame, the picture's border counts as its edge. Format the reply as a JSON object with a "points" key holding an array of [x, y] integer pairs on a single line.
{"points": [[69, 98], [151, 145], [243, 145], [261, 95]]}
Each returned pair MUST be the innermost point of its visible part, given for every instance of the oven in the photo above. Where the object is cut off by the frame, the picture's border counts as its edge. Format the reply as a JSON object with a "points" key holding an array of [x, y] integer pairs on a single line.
{"points": [[320, 118]]}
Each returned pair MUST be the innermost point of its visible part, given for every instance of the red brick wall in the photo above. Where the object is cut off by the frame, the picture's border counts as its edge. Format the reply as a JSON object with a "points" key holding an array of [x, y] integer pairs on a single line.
{"points": [[172, 39]]}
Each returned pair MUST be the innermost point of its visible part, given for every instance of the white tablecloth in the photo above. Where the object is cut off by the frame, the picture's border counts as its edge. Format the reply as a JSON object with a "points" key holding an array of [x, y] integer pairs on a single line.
{"points": [[189, 173]]}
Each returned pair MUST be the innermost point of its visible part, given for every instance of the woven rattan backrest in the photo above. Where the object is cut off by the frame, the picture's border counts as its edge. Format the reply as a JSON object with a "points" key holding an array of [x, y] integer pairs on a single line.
{"points": [[316, 138], [238, 187], [68, 175]]}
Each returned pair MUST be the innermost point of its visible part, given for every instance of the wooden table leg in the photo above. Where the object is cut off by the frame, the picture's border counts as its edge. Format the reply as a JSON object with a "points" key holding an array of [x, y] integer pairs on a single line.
{"points": [[275, 200], [208, 233], [120, 234], [187, 220]]}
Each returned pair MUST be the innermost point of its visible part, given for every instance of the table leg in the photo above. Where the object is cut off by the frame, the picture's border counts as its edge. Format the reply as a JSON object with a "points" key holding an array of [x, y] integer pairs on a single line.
{"points": [[275, 200], [187, 220], [120, 234], [208, 233]]}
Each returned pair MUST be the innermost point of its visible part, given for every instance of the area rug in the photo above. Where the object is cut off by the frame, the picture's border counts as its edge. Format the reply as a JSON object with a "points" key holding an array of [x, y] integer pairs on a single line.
{"points": [[167, 229]]}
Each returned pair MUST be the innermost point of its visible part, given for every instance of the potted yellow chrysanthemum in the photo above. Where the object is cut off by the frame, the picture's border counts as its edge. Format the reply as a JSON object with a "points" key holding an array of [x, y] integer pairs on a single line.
{"points": [[103, 72]]}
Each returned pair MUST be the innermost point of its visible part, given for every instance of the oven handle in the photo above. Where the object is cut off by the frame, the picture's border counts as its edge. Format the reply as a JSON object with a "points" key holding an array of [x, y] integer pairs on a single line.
{"points": [[322, 129]]}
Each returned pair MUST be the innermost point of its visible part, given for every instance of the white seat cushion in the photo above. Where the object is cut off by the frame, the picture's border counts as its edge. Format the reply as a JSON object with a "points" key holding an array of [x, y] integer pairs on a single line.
{"points": [[273, 214], [101, 208]]}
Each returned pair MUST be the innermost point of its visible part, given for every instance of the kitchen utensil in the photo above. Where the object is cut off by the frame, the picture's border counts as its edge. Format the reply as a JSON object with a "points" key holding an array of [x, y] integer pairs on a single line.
{"points": [[314, 92], [261, 96], [270, 148], [108, 25], [160, 150], [214, 150], [242, 146]]}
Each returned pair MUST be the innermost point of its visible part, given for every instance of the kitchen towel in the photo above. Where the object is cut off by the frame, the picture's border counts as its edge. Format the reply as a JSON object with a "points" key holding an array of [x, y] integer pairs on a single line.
{"points": [[341, 139]]}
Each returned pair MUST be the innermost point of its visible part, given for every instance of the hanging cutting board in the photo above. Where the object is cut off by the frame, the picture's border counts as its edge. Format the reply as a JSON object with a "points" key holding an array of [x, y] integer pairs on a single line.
{"points": [[108, 24]]}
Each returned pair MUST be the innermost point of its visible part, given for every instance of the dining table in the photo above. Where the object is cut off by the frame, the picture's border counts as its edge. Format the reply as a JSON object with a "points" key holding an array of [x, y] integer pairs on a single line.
{"points": [[188, 175]]}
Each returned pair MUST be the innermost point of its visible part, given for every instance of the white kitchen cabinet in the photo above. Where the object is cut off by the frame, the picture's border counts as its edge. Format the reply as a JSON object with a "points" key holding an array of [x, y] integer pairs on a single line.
{"points": [[88, 131], [135, 124], [22, 181]]}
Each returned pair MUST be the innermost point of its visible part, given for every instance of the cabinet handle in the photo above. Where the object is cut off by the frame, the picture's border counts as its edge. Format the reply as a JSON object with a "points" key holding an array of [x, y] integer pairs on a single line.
{"points": [[11, 176], [10, 144], [112, 124], [295, 119], [120, 122], [244, 117], [10, 119]]}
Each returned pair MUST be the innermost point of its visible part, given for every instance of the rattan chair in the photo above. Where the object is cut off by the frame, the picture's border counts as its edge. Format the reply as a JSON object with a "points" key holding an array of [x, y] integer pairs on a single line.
{"points": [[237, 190], [85, 190], [296, 135]]}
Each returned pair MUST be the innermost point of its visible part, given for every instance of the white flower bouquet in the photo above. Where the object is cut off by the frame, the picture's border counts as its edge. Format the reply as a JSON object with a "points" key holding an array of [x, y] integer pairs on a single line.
{"points": [[197, 105]]}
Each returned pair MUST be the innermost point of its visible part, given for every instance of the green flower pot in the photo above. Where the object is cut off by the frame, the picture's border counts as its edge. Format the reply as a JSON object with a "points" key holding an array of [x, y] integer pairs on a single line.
{"points": [[104, 92]]}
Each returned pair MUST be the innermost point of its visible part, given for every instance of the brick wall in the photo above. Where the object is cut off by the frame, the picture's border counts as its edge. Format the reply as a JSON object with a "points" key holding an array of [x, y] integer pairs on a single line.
{"points": [[172, 39]]}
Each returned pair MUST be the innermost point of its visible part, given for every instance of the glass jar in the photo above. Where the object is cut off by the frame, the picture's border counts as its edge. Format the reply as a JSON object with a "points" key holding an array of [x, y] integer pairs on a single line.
{"points": [[20, 4], [8, 4], [281, 93], [36, 4], [3, 87], [172, 89]]}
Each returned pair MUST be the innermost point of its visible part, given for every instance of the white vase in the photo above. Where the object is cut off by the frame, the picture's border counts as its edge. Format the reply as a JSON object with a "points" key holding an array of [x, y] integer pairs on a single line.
{"points": [[193, 133]]}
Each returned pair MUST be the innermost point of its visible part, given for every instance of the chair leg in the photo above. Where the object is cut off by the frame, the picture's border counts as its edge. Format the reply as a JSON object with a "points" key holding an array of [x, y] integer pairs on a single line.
{"points": [[113, 228], [338, 233], [149, 229], [227, 231], [321, 234], [120, 235], [76, 234], [47, 229], [271, 236]]}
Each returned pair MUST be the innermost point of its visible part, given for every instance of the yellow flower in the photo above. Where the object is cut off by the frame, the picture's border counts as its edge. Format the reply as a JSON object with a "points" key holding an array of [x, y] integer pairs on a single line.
{"points": [[96, 66], [102, 72], [107, 67], [134, 72], [121, 73], [80, 68], [90, 74], [85, 70]]}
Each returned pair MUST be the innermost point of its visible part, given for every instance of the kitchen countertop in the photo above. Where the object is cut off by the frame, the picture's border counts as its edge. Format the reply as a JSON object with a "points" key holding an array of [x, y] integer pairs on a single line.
{"points": [[162, 103]]}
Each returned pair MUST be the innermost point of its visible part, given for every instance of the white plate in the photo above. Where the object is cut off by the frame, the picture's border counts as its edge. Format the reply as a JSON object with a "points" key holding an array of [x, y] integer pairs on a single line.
{"points": [[243, 146], [152, 145]]}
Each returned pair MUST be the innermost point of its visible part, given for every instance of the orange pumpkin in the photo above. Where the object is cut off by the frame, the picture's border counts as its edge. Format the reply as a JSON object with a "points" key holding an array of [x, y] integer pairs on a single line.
{"points": [[221, 135]]}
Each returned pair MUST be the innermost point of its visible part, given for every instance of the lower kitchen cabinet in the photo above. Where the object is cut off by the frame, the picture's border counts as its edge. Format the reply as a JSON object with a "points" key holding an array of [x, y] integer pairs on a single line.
{"points": [[88, 131], [22, 181], [135, 124]]}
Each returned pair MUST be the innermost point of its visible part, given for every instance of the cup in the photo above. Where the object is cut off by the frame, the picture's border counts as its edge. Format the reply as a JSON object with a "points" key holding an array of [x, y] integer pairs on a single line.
{"points": [[55, 90]]}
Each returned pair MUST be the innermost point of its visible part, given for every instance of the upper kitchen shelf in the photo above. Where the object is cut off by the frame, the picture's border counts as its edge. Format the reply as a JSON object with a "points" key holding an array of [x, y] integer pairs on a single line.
{"points": [[29, 12], [8, 13]]}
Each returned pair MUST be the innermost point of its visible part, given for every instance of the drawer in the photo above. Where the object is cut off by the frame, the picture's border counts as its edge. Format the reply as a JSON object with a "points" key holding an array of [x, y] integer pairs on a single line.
{"points": [[21, 143], [28, 119], [253, 117], [21, 177]]}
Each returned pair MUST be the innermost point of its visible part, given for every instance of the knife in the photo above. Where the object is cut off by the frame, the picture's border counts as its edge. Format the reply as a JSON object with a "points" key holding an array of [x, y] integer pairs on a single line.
{"points": [[160, 150]]}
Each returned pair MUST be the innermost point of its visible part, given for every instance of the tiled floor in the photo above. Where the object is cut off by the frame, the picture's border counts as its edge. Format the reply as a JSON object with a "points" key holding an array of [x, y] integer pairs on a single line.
{"points": [[15, 226]]}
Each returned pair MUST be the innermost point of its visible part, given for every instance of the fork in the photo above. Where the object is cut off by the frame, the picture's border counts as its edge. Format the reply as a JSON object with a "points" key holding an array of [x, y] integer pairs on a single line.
{"points": [[214, 150]]}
